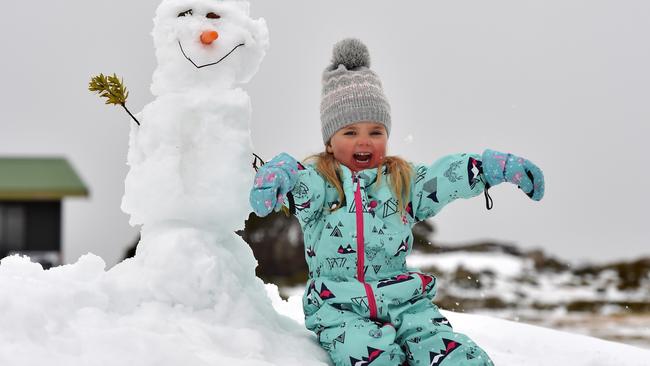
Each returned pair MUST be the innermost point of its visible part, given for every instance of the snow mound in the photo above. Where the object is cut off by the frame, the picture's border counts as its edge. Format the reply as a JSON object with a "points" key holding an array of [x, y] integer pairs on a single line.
{"points": [[80, 314]]}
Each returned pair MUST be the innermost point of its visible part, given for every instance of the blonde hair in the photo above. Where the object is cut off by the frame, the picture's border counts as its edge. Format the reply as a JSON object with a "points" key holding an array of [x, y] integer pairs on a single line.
{"points": [[399, 169]]}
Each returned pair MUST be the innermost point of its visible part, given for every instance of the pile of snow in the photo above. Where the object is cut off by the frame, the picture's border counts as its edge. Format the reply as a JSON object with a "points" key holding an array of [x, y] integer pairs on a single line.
{"points": [[82, 315]]}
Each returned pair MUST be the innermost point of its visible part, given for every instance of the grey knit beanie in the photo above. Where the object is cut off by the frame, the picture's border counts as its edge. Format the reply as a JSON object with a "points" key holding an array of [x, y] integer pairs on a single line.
{"points": [[351, 91]]}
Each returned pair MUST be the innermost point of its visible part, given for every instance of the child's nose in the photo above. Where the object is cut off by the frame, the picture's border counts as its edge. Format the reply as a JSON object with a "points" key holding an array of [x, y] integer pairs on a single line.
{"points": [[362, 141], [207, 37]]}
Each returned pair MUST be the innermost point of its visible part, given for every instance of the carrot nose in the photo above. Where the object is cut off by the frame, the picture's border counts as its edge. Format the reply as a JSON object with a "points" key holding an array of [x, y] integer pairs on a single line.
{"points": [[207, 37]]}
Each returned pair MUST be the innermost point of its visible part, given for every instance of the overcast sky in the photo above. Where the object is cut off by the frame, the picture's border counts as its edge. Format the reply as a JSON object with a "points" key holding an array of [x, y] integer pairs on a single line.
{"points": [[564, 83]]}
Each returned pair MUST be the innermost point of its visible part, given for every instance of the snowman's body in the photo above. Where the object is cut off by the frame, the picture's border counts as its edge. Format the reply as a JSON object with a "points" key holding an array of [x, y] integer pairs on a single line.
{"points": [[190, 161]]}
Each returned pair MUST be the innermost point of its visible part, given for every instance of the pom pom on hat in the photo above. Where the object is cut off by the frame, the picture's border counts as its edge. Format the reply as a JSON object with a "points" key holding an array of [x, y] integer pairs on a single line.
{"points": [[351, 53]]}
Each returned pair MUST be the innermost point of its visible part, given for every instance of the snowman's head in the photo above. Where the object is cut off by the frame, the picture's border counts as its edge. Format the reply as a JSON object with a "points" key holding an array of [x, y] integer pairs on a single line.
{"points": [[206, 43]]}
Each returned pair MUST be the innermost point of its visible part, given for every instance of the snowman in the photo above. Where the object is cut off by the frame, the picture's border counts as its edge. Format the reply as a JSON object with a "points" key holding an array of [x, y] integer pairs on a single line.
{"points": [[190, 172], [190, 158]]}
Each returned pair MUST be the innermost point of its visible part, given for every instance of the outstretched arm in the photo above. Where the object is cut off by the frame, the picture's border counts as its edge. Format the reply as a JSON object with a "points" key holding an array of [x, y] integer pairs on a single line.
{"points": [[467, 175], [449, 178]]}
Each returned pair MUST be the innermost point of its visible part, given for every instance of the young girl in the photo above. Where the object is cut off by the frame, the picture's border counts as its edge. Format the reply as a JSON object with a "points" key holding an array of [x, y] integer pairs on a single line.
{"points": [[356, 207]]}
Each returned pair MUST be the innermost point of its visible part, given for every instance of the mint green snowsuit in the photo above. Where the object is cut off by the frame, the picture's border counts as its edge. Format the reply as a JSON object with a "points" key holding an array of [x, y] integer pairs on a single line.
{"points": [[362, 301]]}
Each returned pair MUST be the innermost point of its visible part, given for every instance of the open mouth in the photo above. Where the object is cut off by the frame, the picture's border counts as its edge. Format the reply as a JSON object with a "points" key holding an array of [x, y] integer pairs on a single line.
{"points": [[211, 63], [362, 157]]}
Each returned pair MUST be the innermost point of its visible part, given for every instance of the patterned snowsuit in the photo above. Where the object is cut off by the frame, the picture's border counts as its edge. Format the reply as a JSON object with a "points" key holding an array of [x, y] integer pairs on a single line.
{"points": [[365, 305]]}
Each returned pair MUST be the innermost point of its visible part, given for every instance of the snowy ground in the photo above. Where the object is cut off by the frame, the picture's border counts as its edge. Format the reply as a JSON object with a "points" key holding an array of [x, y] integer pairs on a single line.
{"points": [[73, 315], [632, 329]]}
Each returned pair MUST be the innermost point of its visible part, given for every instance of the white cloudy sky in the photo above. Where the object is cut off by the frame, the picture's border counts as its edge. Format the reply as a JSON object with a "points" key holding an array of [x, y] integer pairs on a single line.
{"points": [[565, 83]]}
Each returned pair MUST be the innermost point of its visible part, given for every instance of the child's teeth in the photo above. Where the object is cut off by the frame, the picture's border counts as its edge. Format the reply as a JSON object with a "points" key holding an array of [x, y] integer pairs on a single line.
{"points": [[362, 157]]}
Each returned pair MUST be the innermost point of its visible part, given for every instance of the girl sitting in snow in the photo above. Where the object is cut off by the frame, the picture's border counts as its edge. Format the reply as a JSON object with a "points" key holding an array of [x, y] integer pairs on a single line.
{"points": [[356, 207]]}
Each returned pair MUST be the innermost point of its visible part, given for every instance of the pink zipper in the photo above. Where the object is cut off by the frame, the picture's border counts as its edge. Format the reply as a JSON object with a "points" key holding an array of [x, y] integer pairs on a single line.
{"points": [[361, 252]]}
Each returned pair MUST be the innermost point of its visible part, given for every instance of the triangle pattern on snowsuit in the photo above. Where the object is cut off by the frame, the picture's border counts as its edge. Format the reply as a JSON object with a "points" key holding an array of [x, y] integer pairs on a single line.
{"points": [[336, 262], [390, 208], [373, 353], [340, 338], [346, 250], [437, 358], [361, 301], [325, 293], [353, 208], [421, 173]]}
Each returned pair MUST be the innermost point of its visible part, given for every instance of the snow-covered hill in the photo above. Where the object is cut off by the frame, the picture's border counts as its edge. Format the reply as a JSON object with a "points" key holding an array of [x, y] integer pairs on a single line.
{"points": [[499, 280]]}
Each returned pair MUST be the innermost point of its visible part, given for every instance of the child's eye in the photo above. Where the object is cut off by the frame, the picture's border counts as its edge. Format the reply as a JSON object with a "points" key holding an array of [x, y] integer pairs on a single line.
{"points": [[376, 133], [212, 15], [185, 13], [349, 133]]}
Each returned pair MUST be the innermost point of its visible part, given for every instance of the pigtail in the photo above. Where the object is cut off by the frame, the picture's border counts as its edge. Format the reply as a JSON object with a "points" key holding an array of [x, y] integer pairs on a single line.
{"points": [[400, 179], [330, 169]]}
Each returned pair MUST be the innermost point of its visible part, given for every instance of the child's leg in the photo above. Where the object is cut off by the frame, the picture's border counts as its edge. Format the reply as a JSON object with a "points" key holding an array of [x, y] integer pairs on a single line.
{"points": [[352, 340], [428, 338]]}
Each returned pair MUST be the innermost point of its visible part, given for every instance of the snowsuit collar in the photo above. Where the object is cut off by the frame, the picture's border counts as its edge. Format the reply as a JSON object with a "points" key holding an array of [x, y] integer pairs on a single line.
{"points": [[368, 179]]}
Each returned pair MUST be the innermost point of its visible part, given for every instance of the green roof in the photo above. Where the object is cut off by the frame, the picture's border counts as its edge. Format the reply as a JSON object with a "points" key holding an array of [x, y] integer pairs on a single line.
{"points": [[38, 179]]}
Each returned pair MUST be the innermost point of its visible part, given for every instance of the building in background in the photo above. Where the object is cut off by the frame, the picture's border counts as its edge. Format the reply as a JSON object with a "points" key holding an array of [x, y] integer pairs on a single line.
{"points": [[31, 191]]}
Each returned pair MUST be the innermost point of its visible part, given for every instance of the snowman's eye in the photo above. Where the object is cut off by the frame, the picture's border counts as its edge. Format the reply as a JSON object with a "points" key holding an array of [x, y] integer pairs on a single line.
{"points": [[185, 13], [212, 16]]}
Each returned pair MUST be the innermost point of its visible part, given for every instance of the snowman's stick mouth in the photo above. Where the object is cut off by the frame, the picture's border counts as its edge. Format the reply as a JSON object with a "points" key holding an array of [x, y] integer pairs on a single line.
{"points": [[211, 63]]}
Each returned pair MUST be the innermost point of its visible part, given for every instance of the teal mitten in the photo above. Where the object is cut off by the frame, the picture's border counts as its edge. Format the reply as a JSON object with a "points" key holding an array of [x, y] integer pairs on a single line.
{"points": [[272, 182], [501, 167]]}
